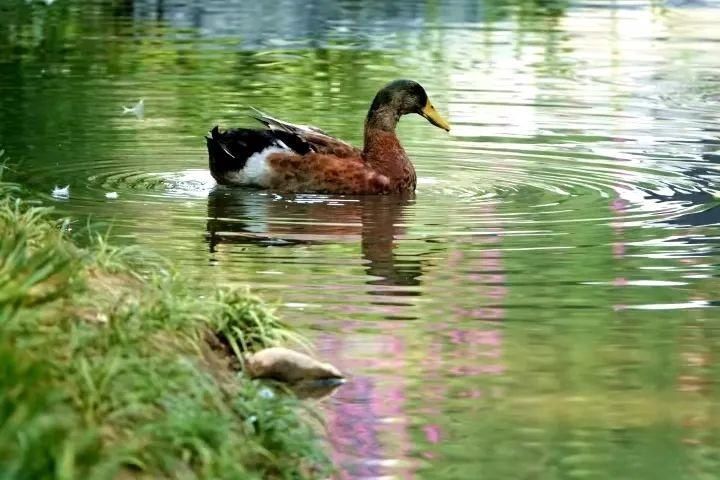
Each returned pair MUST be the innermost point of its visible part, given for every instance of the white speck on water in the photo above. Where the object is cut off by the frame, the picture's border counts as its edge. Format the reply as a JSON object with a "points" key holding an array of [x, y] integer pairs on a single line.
{"points": [[138, 109], [297, 305], [266, 393], [111, 195], [61, 192], [672, 306]]}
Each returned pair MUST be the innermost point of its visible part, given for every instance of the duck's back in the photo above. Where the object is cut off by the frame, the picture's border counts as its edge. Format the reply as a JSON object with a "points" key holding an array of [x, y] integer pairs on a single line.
{"points": [[286, 161]]}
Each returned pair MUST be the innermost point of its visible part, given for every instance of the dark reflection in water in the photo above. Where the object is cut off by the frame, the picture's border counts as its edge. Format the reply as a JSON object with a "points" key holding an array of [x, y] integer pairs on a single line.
{"points": [[237, 216]]}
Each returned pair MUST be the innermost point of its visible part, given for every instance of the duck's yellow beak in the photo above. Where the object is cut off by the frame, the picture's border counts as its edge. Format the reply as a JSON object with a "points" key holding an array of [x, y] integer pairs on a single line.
{"points": [[434, 117]]}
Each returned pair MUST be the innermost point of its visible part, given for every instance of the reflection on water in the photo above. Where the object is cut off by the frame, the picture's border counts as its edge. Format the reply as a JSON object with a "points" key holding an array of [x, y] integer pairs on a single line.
{"points": [[239, 216], [545, 306]]}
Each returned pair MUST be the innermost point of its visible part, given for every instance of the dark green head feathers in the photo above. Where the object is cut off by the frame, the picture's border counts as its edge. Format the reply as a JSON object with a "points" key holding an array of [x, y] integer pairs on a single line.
{"points": [[398, 98]]}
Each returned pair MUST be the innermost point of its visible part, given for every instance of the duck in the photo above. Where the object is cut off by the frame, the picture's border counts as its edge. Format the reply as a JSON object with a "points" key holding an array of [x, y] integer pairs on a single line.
{"points": [[290, 158]]}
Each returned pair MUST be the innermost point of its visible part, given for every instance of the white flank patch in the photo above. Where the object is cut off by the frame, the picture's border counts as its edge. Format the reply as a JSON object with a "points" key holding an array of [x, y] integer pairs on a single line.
{"points": [[257, 171]]}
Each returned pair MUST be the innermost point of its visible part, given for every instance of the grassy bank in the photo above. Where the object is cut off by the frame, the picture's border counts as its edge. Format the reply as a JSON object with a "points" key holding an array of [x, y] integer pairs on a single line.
{"points": [[111, 367]]}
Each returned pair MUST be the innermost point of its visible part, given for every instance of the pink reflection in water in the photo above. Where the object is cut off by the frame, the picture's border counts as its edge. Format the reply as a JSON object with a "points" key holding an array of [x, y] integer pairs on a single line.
{"points": [[618, 207], [366, 421], [471, 370], [369, 418], [454, 258], [467, 349], [351, 419], [476, 337], [487, 278], [432, 433], [483, 313]]}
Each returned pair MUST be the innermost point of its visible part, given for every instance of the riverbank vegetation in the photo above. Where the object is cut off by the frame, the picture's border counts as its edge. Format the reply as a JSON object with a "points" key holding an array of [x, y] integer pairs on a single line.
{"points": [[113, 367]]}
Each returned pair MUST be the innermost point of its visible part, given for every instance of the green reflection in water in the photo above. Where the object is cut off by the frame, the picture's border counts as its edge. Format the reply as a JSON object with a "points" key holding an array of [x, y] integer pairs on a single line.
{"points": [[545, 307]]}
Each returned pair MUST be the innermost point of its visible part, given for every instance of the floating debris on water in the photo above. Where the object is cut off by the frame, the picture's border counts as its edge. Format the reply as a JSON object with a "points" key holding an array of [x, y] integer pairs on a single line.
{"points": [[111, 195], [266, 393], [61, 192], [138, 109]]}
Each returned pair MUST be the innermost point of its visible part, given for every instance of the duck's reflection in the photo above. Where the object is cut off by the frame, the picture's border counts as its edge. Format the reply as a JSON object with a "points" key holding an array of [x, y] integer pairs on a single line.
{"points": [[240, 216]]}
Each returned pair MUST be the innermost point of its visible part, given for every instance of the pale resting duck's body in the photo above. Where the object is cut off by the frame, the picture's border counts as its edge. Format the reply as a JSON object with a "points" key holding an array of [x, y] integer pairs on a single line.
{"points": [[296, 158]]}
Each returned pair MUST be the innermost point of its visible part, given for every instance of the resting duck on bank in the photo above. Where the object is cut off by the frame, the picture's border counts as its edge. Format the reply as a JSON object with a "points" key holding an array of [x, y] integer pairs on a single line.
{"points": [[297, 158]]}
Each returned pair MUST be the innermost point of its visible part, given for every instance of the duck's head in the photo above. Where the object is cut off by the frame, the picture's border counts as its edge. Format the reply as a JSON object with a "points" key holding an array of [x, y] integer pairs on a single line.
{"points": [[398, 98]]}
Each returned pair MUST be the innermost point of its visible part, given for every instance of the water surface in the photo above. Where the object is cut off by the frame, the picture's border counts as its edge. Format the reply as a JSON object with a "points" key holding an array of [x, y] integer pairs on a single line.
{"points": [[545, 306]]}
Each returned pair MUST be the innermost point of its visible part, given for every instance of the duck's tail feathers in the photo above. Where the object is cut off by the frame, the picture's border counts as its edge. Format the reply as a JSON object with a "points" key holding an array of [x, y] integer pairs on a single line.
{"points": [[216, 139], [221, 158], [230, 150]]}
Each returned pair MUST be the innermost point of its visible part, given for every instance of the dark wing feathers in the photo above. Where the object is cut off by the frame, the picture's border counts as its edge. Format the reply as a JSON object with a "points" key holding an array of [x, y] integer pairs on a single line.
{"points": [[229, 150], [274, 124], [318, 140]]}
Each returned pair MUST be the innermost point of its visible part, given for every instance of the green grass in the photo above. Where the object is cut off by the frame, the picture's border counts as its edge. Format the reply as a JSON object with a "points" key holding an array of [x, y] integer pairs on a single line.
{"points": [[110, 367]]}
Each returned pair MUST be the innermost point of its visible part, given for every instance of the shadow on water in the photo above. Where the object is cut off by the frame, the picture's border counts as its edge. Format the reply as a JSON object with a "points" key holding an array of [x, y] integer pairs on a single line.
{"points": [[705, 181]]}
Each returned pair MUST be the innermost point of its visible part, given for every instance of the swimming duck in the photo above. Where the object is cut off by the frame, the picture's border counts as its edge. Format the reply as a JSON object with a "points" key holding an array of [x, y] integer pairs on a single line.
{"points": [[297, 158]]}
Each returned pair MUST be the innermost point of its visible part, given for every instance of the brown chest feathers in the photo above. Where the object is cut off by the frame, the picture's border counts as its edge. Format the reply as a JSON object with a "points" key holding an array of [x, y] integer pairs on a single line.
{"points": [[384, 154]]}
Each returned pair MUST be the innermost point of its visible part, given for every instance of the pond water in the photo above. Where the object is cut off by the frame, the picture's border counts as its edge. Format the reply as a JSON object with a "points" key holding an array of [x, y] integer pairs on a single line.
{"points": [[545, 306]]}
